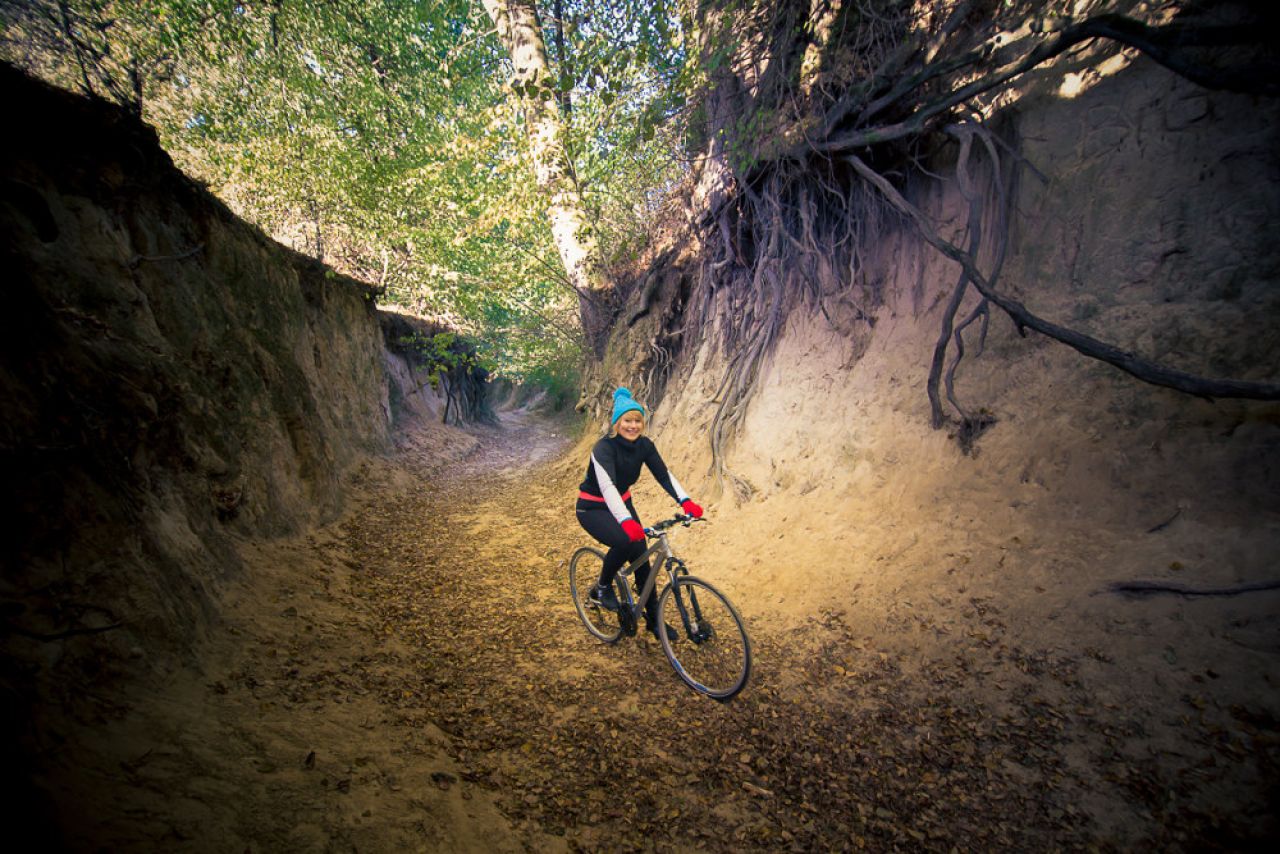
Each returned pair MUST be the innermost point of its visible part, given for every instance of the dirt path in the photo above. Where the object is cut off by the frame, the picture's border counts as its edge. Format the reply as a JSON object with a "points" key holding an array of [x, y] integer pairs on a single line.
{"points": [[831, 747], [415, 678]]}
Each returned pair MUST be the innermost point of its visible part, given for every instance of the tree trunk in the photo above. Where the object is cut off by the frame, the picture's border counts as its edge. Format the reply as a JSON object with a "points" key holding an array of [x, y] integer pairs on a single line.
{"points": [[521, 34]]}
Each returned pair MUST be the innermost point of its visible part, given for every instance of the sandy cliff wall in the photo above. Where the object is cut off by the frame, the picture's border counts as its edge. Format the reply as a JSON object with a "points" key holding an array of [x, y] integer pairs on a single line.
{"points": [[1144, 217], [171, 380], [1151, 226]]}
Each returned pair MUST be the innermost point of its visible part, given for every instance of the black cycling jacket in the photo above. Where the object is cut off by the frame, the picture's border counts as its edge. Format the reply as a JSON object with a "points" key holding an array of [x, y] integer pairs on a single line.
{"points": [[615, 466]]}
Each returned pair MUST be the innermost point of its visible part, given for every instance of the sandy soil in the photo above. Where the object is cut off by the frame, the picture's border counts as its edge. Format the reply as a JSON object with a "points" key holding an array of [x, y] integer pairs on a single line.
{"points": [[998, 569], [414, 677]]}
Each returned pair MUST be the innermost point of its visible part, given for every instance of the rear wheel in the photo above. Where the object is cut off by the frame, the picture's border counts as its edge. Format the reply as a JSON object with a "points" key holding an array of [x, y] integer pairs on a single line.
{"points": [[711, 651], [584, 574]]}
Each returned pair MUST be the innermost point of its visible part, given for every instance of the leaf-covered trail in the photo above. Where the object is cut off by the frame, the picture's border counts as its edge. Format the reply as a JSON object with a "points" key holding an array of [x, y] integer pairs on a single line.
{"points": [[415, 678], [830, 747]]}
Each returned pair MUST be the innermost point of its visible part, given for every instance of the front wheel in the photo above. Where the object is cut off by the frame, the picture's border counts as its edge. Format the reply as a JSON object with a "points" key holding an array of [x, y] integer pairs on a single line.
{"points": [[711, 651], [584, 574]]}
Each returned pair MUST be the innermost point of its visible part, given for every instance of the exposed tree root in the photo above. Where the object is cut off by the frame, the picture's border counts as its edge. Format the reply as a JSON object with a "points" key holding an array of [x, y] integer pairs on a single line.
{"points": [[797, 239], [970, 425], [137, 260], [1132, 364], [827, 109], [62, 635], [1166, 523], [1150, 588]]}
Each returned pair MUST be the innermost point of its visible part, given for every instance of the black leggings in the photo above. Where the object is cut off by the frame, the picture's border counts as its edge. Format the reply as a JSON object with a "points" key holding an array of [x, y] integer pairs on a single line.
{"points": [[597, 521]]}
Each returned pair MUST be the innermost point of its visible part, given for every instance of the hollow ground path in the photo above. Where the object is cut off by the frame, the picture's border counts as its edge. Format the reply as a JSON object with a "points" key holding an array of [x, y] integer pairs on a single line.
{"points": [[415, 678]]}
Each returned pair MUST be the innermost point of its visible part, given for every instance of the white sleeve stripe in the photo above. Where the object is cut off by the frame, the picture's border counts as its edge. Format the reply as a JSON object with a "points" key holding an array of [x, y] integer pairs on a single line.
{"points": [[610, 492], [675, 484]]}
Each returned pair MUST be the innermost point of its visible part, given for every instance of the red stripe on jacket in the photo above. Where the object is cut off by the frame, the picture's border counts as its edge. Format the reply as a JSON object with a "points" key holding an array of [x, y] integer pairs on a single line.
{"points": [[626, 496]]}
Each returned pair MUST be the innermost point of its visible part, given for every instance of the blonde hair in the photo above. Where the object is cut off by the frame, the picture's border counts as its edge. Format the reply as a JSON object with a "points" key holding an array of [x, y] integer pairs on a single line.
{"points": [[613, 428]]}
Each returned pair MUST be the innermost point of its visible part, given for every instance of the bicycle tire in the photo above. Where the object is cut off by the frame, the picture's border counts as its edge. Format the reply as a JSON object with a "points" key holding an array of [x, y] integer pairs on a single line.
{"points": [[584, 573], [712, 652]]}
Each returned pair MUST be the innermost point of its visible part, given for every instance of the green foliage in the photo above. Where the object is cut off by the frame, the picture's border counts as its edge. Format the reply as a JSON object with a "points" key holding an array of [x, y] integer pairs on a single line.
{"points": [[381, 137], [561, 379], [440, 354], [622, 73]]}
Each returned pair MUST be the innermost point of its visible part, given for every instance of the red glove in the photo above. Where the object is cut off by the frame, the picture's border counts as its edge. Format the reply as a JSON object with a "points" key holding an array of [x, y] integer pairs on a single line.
{"points": [[692, 509], [633, 530]]}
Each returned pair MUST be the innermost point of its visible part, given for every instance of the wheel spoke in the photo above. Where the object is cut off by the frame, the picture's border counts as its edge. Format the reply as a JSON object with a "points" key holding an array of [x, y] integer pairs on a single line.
{"points": [[584, 573], [711, 651]]}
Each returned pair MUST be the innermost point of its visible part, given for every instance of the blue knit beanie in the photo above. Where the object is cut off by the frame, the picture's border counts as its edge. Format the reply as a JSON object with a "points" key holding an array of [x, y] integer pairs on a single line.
{"points": [[623, 403]]}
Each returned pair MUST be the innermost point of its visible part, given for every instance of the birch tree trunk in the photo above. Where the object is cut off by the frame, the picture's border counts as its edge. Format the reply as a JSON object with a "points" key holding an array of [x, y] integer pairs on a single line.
{"points": [[521, 34]]}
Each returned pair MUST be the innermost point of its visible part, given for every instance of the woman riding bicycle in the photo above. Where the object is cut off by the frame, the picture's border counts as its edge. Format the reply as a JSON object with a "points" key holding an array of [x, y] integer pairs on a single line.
{"points": [[604, 504]]}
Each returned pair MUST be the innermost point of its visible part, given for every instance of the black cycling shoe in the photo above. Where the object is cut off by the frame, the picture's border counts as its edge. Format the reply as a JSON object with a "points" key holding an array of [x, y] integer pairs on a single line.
{"points": [[604, 597], [671, 633]]}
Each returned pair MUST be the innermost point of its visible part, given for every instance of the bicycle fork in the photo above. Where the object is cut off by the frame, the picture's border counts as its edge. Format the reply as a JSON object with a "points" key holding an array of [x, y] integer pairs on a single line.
{"points": [[695, 628]]}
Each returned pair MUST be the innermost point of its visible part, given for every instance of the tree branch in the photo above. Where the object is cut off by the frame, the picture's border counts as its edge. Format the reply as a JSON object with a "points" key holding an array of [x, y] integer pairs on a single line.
{"points": [[1126, 361], [1156, 42]]}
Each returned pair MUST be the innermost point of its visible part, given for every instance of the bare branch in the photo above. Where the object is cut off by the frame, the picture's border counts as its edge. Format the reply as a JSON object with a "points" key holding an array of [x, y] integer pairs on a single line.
{"points": [[1157, 42], [1130, 363]]}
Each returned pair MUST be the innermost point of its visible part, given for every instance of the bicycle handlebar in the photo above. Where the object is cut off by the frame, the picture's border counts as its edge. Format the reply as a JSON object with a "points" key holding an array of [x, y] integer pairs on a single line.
{"points": [[678, 519]]}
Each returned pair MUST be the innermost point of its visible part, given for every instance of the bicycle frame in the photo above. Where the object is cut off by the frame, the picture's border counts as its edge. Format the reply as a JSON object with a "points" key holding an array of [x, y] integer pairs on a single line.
{"points": [[669, 562], [719, 627]]}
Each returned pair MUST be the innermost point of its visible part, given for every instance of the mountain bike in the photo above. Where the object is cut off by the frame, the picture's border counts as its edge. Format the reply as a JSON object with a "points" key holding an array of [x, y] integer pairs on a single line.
{"points": [[711, 652]]}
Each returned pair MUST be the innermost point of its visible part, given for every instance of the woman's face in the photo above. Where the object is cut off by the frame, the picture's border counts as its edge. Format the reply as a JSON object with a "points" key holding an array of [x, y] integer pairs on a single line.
{"points": [[631, 425]]}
